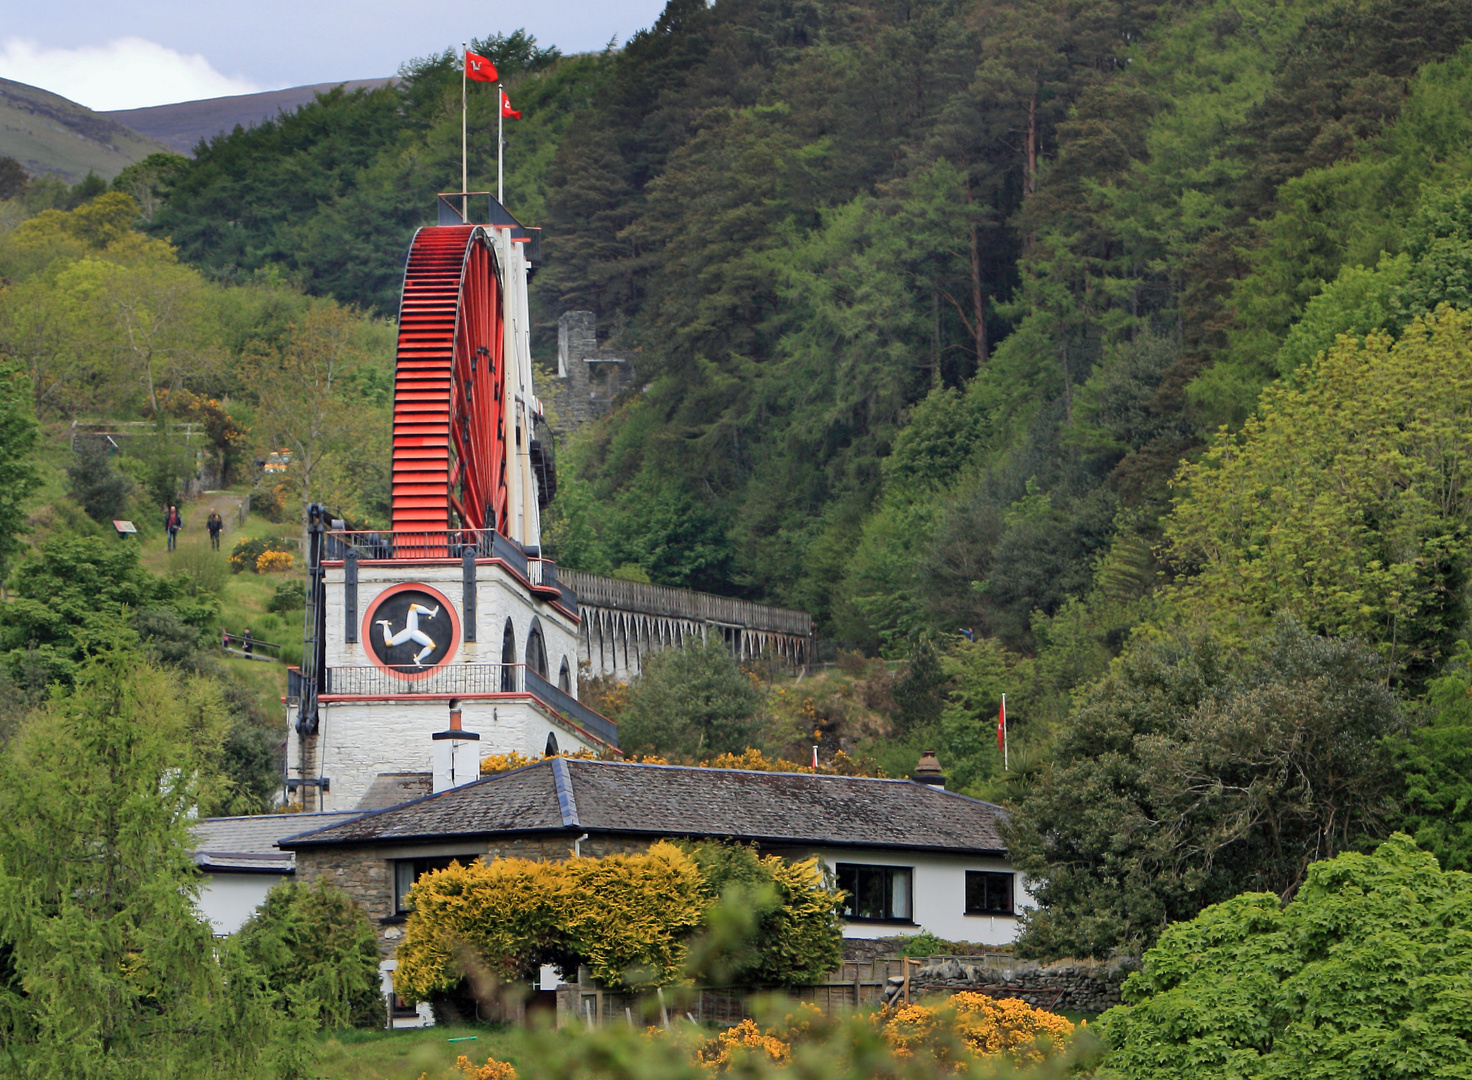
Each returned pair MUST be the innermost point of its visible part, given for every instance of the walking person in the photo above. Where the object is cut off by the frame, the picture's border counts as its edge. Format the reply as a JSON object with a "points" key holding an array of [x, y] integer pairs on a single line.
{"points": [[248, 643], [214, 524], [172, 524]]}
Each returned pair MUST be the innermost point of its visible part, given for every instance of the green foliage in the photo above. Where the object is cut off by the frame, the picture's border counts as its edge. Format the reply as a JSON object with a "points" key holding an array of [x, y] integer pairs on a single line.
{"points": [[1192, 772], [289, 596], [247, 550], [924, 944], [104, 950], [95, 482], [627, 917], [1355, 977], [920, 691], [1438, 767], [17, 474], [1343, 501], [690, 702], [77, 596], [316, 951], [770, 922]]}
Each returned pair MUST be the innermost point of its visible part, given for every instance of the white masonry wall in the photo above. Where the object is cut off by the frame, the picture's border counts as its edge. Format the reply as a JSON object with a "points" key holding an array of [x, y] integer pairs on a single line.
{"points": [[499, 597], [939, 900], [228, 900], [358, 740]]}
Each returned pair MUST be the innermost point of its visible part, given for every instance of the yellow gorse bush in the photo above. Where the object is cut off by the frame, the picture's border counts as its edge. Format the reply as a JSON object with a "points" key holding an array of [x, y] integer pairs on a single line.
{"points": [[742, 1040], [491, 1070], [274, 561], [626, 916], [984, 1025]]}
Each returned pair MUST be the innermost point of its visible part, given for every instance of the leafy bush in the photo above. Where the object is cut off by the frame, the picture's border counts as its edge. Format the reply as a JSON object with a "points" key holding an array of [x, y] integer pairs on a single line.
{"points": [[317, 952], [1363, 974], [246, 553], [769, 922], [205, 570], [630, 918], [289, 596], [690, 701], [625, 916], [94, 481], [1194, 771]]}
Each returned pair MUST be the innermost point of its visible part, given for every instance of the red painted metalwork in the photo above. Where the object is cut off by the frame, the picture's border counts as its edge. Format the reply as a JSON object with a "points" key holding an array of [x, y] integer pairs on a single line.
{"points": [[449, 439]]}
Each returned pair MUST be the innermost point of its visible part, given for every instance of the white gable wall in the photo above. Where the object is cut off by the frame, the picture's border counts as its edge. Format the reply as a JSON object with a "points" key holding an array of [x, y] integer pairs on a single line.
{"points": [[228, 900], [939, 900]]}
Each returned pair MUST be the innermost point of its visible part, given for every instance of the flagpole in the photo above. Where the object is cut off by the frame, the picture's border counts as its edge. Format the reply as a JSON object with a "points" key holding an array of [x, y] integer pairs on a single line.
{"points": [[1004, 733], [500, 142], [464, 168]]}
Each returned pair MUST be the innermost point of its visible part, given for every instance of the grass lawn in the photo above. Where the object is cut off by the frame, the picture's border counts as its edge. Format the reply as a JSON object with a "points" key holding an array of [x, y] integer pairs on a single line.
{"points": [[408, 1054]]}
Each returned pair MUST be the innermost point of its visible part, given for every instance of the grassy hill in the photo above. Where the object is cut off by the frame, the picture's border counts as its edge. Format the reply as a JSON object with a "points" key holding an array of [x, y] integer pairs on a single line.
{"points": [[47, 133], [183, 124]]}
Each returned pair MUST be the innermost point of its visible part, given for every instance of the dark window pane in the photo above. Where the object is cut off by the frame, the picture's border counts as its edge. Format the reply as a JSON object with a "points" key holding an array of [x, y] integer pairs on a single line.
{"points": [[875, 892], [988, 894]]}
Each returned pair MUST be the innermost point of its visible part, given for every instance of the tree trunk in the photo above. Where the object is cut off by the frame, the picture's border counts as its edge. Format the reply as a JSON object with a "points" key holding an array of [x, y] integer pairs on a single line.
{"points": [[978, 304], [1030, 185]]}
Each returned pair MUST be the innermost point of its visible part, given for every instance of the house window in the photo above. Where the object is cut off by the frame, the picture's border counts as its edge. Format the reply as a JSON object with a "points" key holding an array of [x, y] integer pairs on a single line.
{"points": [[988, 894], [408, 871], [876, 892]]}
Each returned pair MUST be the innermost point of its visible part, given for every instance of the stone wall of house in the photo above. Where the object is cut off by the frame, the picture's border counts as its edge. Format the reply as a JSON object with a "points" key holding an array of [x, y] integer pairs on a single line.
{"points": [[588, 378]]}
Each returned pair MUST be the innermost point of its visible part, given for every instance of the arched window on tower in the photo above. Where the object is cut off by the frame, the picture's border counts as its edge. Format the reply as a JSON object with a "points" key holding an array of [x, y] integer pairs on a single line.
{"points": [[564, 678], [508, 659], [551, 750], [536, 650]]}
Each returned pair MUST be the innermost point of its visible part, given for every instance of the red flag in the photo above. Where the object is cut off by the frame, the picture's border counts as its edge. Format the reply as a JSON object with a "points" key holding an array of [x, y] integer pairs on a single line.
{"points": [[1002, 727], [507, 110], [479, 69]]}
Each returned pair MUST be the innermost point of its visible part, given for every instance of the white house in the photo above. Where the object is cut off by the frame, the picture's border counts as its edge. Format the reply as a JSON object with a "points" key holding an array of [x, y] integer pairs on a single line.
{"points": [[912, 856]]}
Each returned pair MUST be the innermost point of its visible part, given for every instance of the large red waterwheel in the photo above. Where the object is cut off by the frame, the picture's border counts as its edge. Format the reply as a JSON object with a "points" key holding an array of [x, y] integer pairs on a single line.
{"points": [[449, 440]]}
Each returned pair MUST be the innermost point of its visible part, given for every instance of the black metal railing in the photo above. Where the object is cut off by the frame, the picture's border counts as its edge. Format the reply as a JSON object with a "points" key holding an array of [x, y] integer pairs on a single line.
{"points": [[571, 708], [468, 679], [370, 681], [450, 544]]}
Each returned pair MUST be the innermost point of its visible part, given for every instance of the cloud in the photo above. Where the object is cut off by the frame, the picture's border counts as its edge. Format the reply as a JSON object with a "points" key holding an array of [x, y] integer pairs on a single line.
{"points": [[126, 73]]}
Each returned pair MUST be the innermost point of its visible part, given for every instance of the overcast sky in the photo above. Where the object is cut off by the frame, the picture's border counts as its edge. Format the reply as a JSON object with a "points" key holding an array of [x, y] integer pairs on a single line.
{"points": [[109, 55]]}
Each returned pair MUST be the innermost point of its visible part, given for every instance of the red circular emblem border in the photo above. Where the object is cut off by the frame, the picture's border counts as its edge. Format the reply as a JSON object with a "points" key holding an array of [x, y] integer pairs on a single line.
{"points": [[445, 605]]}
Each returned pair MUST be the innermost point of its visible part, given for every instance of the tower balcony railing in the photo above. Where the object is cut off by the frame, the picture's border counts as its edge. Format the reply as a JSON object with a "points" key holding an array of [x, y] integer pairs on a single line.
{"points": [[466, 680], [417, 545]]}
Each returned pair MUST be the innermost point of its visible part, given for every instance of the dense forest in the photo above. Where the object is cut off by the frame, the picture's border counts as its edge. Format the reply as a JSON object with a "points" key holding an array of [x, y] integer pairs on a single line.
{"points": [[1111, 354]]}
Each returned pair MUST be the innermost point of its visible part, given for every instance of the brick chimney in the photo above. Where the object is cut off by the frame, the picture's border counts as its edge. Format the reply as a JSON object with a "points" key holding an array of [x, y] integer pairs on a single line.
{"points": [[927, 771]]}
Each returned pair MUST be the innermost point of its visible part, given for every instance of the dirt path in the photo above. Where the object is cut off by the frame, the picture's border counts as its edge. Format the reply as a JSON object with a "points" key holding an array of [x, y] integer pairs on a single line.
{"points": [[198, 512]]}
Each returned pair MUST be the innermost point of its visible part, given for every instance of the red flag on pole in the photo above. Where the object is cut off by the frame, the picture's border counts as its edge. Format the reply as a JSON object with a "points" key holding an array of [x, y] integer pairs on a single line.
{"points": [[507, 110], [1002, 726], [479, 69]]}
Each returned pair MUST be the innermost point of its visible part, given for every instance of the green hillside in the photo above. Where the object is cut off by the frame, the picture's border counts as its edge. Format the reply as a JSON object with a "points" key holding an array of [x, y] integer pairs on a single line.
{"points": [[1110, 355], [50, 135]]}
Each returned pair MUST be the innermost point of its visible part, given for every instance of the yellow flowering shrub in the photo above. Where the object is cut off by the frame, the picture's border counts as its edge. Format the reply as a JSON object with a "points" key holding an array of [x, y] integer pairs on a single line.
{"points": [[984, 1025], [626, 917], [742, 1040], [269, 562], [491, 1070], [499, 763]]}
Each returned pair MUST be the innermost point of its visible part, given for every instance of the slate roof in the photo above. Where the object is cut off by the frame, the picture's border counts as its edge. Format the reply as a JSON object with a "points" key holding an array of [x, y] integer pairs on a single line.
{"points": [[249, 843], [571, 795], [392, 789]]}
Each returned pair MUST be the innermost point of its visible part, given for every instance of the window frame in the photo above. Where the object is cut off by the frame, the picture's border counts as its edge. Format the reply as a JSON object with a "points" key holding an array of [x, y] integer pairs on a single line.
{"points": [[422, 865], [1010, 878], [842, 871]]}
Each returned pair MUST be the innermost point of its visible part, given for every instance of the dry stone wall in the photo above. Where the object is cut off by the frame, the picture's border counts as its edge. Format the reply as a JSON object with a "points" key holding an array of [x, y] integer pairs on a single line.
{"points": [[1086, 985]]}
